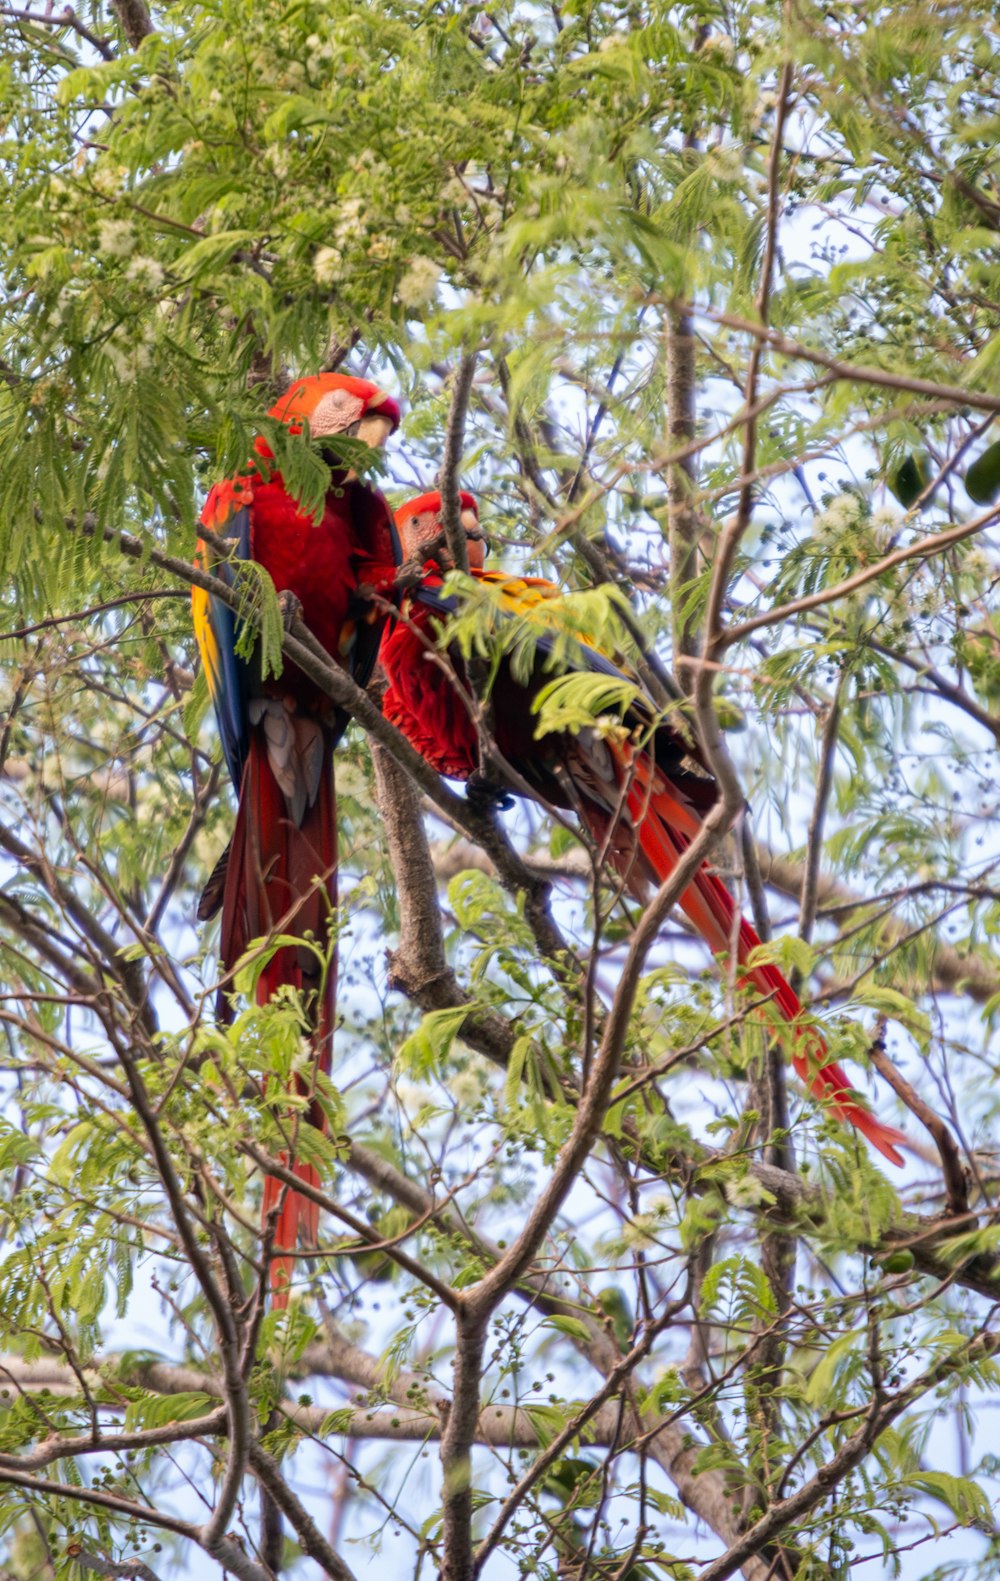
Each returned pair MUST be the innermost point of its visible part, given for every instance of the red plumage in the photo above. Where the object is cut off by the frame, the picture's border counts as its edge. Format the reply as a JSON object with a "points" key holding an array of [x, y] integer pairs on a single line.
{"points": [[280, 872], [281, 878], [655, 797]]}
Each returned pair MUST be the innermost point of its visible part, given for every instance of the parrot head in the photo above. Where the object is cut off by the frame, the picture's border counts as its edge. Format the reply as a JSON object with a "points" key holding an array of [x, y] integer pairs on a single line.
{"points": [[337, 403], [419, 524], [331, 403]]}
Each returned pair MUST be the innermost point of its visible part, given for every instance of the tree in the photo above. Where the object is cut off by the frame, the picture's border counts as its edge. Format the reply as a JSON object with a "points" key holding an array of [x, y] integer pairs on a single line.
{"points": [[703, 301]]}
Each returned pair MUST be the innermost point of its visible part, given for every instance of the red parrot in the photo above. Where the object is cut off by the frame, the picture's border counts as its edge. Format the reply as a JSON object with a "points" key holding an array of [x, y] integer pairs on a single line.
{"points": [[643, 791], [279, 873]]}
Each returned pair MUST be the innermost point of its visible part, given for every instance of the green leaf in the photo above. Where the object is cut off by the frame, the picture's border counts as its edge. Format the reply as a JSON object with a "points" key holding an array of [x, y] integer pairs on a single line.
{"points": [[211, 253], [896, 1006], [548, 1421], [574, 702], [425, 1051], [820, 1384], [982, 480], [148, 1410], [573, 1328], [962, 1495]]}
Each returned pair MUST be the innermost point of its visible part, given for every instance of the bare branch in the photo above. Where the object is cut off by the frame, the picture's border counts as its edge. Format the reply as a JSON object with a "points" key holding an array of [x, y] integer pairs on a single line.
{"points": [[67, 18], [135, 20], [451, 461], [956, 1178], [814, 841], [683, 526]]}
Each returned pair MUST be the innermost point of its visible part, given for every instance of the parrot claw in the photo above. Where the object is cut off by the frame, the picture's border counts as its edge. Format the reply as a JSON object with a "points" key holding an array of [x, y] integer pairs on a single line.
{"points": [[409, 575], [291, 608], [486, 794]]}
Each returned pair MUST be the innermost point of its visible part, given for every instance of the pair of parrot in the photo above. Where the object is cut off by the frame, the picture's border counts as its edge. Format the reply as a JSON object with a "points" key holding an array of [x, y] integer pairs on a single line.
{"points": [[641, 790]]}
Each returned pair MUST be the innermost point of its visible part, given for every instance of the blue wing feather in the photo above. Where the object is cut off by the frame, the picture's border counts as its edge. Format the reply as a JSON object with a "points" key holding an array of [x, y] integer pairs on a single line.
{"points": [[227, 673], [445, 605]]}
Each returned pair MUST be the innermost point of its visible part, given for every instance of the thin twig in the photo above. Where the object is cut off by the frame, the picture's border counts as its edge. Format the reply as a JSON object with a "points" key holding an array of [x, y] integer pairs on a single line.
{"points": [[814, 839], [955, 1176]]}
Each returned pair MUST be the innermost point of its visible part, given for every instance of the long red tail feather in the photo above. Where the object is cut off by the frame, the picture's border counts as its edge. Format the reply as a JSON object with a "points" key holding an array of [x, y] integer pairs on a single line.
{"points": [[282, 878], [665, 826]]}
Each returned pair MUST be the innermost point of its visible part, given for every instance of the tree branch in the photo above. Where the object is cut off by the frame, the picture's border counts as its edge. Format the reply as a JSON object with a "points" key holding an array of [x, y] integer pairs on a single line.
{"points": [[135, 20], [451, 461], [814, 838], [923, 549], [683, 528], [858, 373]]}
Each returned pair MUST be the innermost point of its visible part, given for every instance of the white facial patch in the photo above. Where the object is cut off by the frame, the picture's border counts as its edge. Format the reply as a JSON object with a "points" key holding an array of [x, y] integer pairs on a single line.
{"points": [[418, 530], [337, 410]]}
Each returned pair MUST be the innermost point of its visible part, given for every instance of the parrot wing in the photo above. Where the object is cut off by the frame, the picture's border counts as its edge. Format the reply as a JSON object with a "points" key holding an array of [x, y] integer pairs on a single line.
{"points": [[216, 632], [647, 797], [675, 754]]}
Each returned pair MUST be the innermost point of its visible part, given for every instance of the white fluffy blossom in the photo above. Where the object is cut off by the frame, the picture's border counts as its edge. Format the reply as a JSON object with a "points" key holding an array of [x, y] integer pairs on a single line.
{"points": [[842, 512], [278, 158], [721, 44], [419, 283], [413, 1096], [326, 265], [127, 360], [116, 238], [350, 219], [320, 50], [145, 272], [977, 564], [466, 1088], [884, 523], [108, 179], [884, 517]]}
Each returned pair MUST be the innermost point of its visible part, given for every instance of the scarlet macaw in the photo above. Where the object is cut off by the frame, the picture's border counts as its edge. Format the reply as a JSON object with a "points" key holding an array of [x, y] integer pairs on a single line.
{"points": [[643, 791], [279, 873]]}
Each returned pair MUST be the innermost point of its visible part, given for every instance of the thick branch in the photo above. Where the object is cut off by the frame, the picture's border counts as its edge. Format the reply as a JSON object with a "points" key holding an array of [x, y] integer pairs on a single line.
{"points": [[398, 1420], [451, 461], [135, 20], [418, 966], [456, 1444], [814, 839]]}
